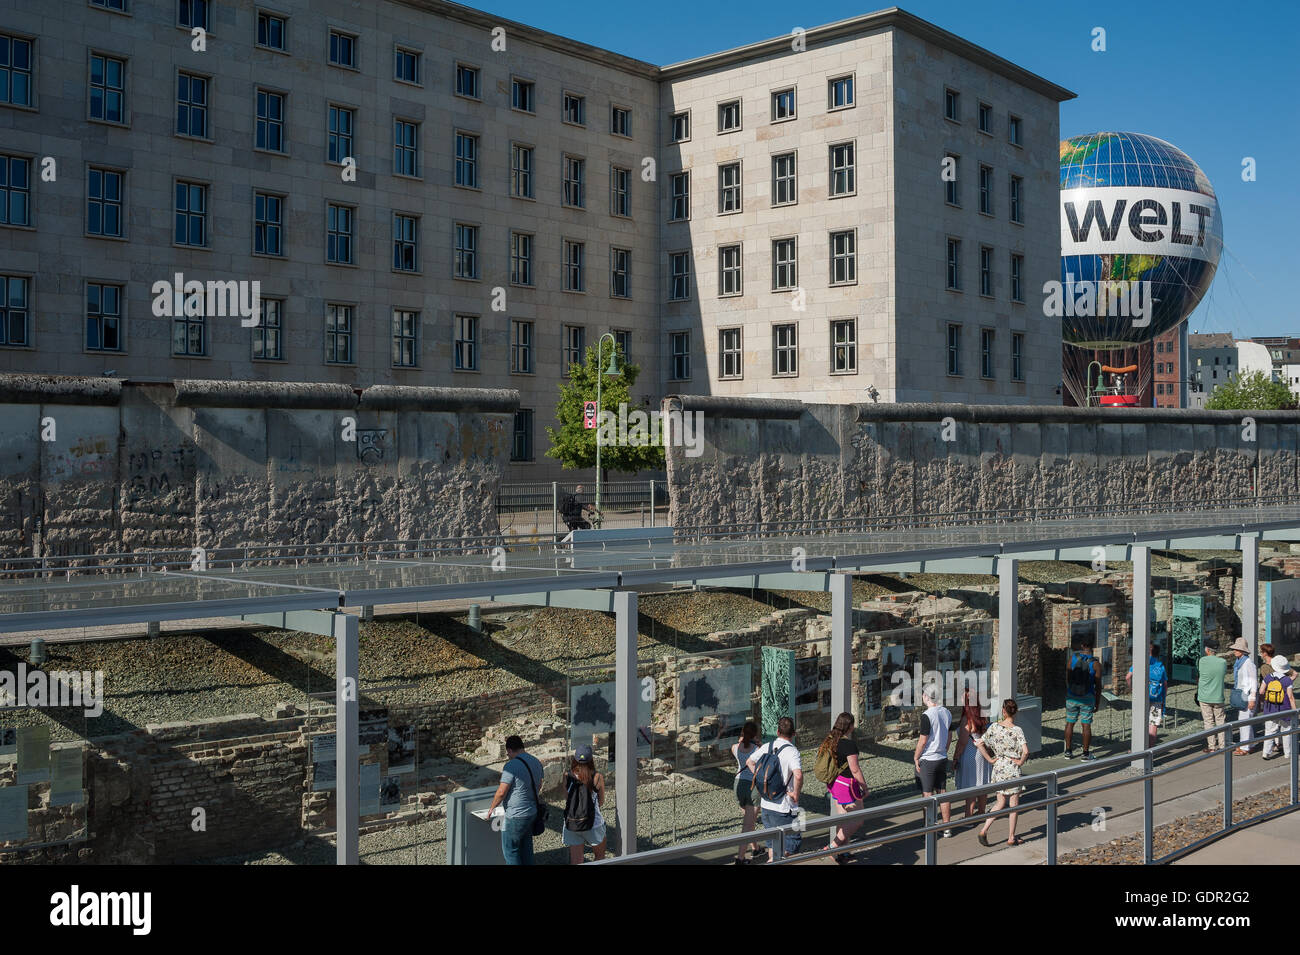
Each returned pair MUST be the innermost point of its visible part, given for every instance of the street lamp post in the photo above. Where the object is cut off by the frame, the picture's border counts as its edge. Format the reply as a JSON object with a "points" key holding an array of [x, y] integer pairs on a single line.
{"points": [[600, 377]]}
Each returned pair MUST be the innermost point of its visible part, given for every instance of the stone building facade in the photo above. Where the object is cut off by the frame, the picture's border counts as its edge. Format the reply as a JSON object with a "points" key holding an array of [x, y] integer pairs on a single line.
{"points": [[428, 195]]}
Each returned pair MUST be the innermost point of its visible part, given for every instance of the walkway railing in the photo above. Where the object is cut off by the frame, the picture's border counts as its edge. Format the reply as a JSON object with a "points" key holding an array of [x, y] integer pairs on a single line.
{"points": [[1051, 801]]}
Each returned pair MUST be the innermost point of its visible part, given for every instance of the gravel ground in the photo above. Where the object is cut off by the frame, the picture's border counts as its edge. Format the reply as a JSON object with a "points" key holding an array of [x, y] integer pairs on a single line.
{"points": [[1175, 835]]}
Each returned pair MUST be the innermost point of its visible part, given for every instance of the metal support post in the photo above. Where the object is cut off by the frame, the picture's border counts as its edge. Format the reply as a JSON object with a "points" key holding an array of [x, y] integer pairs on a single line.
{"points": [[841, 586], [1141, 646], [1008, 627], [347, 802], [627, 692]]}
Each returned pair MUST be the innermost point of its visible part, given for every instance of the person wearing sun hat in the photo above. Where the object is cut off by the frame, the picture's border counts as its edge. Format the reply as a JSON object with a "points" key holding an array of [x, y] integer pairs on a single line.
{"points": [[1245, 684], [1277, 697]]}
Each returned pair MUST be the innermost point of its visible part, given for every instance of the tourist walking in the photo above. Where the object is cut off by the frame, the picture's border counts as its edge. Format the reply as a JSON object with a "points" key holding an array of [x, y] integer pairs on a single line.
{"points": [[584, 793], [743, 786], [931, 754], [1082, 695], [1277, 696], [1005, 747], [778, 777], [838, 762], [520, 791], [972, 768], [1211, 670], [1157, 688], [1245, 684]]}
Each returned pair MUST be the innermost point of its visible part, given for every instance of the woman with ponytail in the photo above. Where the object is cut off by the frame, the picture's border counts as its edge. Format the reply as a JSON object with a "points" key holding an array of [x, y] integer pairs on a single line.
{"points": [[849, 790], [744, 786]]}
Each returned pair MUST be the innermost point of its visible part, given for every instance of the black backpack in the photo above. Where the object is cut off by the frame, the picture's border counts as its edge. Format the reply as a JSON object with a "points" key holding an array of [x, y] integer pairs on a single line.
{"points": [[579, 806], [1080, 685], [769, 777]]}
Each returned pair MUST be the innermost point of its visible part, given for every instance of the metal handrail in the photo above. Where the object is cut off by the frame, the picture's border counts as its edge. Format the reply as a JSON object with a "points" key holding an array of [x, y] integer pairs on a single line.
{"points": [[1051, 779]]}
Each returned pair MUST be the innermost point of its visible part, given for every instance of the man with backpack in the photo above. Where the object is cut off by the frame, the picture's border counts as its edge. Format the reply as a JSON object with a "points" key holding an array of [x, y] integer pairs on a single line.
{"points": [[778, 777], [1277, 697], [520, 790], [1157, 686], [1082, 696], [1211, 670]]}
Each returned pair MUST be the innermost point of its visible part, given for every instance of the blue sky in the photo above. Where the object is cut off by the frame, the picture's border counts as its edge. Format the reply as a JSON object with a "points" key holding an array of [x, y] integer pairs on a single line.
{"points": [[1218, 80]]}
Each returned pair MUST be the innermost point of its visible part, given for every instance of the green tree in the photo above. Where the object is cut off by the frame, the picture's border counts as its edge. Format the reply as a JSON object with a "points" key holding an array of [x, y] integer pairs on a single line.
{"points": [[1253, 391], [575, 446]]}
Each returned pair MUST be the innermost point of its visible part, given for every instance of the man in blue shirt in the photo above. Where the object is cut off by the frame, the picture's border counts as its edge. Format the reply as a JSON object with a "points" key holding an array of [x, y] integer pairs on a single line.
{"points": [[521, 784], [1157, 687]]}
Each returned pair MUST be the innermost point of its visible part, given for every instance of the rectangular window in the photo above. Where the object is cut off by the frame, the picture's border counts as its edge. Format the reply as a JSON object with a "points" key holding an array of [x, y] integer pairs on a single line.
{"points": [[523, 95], [268, 342], [986, 353], [406, 66], [839, 92], [986, 190], [575, 345], [191, 105], [784, 189], [16, 192], [406, 140], [844, 257], [521, 171], [730, 358], [406, 338], [466, 251], [521, 447], [271, 31], [338, 236], [14, 311], [574, 253], [189, 335], [843, 173], [343, 49], [986, 271], [467, 160], [729, 188], [1017, 266], [107, 88], [193, 13], [954, 350], [467, 81], [103, 317], [729, 116], [952, 105], [1017, 356], [623, 342], [338, 334], [782, 105], [681, 127], [680, 349], [109, 4], [406, 243], [785, 351], [340, 139], [521, 258], [15, 70], [268, 224], [730, 278], [985, 118], [575, 109], [620, 121], [620, 273], [680, 184], [1016, 187], [954, 265], [521, 347], [620, 191], [951, 180], [270, 121], [191, 214], [844, 346], [1013, 130], [679, 271], [574, 175], [785, 271], [466, 350]]}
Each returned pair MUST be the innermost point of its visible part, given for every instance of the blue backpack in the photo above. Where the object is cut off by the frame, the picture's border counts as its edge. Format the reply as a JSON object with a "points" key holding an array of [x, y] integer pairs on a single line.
{"points": [[769, 779]]}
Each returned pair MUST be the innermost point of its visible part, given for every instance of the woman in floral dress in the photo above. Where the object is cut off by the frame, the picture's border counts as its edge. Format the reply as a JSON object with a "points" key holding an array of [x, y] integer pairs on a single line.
{"points": [[1004, 746]]}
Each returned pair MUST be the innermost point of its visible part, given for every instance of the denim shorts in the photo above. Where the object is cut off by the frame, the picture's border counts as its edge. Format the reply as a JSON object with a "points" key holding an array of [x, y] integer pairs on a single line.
{"points": [[590, 837]]}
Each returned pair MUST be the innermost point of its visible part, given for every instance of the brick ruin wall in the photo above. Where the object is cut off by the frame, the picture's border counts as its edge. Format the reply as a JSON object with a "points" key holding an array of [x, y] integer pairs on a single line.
{"points": [[100, 465]]}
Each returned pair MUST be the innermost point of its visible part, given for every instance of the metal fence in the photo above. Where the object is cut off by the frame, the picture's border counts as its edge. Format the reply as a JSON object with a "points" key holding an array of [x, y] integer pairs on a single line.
{"points": [[1051, 801]]}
